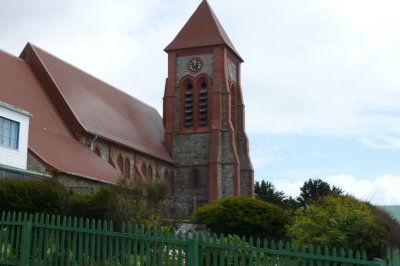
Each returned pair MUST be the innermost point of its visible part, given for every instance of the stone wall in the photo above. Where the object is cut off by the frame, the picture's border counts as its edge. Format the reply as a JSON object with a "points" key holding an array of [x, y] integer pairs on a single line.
{"points": [[181, 181], [154, 169], [76, 183], [35, 165], [192, 149], [182, 66]]}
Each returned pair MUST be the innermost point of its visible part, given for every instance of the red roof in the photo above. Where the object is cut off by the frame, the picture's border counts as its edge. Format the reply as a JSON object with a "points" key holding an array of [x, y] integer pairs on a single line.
{"points": [[202, 29], [88, 104], [49, 137]]}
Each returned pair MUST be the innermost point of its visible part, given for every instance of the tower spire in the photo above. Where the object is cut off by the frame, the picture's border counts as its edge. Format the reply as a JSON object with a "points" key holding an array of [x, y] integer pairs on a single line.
{"points": [[202, 29]]}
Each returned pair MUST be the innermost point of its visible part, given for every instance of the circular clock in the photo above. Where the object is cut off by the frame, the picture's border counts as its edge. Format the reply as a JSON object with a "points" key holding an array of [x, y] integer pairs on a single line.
{"points": [[195, 64]]}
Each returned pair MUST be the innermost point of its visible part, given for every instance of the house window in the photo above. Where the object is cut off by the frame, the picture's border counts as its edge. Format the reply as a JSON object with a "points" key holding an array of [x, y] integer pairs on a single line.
{"points": [[203, 105], [127, 167], [188, 108], [9, 133]]}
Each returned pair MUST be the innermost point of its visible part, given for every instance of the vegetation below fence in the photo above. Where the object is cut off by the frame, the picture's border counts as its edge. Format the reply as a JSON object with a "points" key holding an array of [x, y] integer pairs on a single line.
{"points": [[55, 240]]}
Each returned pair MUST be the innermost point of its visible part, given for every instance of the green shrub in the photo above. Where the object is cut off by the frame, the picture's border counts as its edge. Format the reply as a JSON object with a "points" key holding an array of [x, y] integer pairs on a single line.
{"points": [[32, 196], [342, 221], [79, 205], [245, 217], [135, 203]]}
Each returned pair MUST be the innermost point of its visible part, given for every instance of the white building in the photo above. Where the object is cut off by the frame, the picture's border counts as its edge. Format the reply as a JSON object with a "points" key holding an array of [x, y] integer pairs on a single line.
{"points": [[14, 131]]}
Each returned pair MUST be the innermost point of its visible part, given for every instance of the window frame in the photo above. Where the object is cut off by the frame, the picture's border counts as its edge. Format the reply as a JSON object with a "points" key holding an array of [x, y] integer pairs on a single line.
{"points": [[195, 104], [13, 133]]}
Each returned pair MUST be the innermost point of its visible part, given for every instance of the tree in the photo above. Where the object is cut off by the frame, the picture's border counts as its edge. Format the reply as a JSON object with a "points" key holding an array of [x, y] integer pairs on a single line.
{"points": [[313, 189], [244, 217], [343, 222], [266, 191]]}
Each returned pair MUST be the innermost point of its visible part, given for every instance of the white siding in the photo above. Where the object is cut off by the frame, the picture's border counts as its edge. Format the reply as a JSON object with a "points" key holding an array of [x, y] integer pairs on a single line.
{"points": [[12, 157]]}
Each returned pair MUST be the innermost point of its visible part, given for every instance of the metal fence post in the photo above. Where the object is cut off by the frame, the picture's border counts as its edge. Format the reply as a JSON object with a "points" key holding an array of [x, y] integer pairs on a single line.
{"points": [[395, 257], [379, 262], [193, 252], [26, 242]]}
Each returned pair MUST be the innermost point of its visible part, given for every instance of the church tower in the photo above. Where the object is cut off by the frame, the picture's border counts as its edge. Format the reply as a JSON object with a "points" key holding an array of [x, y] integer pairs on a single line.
{"points": [[204, 112]]}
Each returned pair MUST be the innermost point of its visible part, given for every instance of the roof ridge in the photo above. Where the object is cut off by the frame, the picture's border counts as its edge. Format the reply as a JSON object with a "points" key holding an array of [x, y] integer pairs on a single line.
{"points": [[87, 73], [10, 54]]}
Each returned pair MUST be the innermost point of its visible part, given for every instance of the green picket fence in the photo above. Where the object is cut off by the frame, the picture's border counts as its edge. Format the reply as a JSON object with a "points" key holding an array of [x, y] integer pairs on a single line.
{"points": [[52, 240]]}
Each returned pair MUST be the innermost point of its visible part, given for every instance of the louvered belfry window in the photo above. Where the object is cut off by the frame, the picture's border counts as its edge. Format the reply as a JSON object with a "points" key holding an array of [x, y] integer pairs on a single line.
{"points": [[189, 106], [203, 105]]}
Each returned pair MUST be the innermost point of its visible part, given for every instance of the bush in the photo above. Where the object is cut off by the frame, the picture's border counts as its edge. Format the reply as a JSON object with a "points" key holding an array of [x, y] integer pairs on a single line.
{"points": [[342, 221], [78, 205], [135, 203], [245, 217], [32, 196]]}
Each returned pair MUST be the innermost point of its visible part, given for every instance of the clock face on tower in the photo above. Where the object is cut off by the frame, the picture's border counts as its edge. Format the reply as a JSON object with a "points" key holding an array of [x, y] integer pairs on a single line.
{"points": [[195, 64]]}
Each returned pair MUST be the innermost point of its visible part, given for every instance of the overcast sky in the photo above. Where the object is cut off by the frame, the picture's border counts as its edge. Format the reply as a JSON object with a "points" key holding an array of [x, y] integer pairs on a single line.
{"points": [[321, 78]]}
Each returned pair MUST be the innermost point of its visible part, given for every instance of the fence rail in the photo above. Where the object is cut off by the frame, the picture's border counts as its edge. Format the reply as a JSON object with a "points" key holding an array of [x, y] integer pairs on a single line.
{"points": [[53, 240]]}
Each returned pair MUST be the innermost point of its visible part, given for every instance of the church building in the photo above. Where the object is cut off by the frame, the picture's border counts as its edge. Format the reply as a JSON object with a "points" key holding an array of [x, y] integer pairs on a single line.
{"points": [[86, 133]]}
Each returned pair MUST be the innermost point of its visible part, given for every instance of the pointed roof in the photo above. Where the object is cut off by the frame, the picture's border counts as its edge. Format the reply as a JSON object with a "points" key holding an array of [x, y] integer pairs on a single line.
{"points": [[202, 29], [90, 105], [50, 140]]}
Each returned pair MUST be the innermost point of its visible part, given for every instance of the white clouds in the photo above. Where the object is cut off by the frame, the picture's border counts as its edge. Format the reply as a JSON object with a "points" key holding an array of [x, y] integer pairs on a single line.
{"points": [[327, 79], [382, 190]]}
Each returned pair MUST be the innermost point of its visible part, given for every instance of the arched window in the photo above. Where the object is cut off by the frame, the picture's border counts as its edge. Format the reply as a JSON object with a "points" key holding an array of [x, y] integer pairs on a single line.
{"points": [[143, 168], [166, 177], [97, 151], [167, 181], [150, 174], [127, 168], [120, 164], [203, 105], [194, 179], [188, 106], [171, 183]]}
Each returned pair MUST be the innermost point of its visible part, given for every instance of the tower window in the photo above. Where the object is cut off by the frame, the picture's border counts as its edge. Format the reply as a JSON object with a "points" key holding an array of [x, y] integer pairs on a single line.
{"points": [[188, 108], [203, 105], [194, 179]]}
